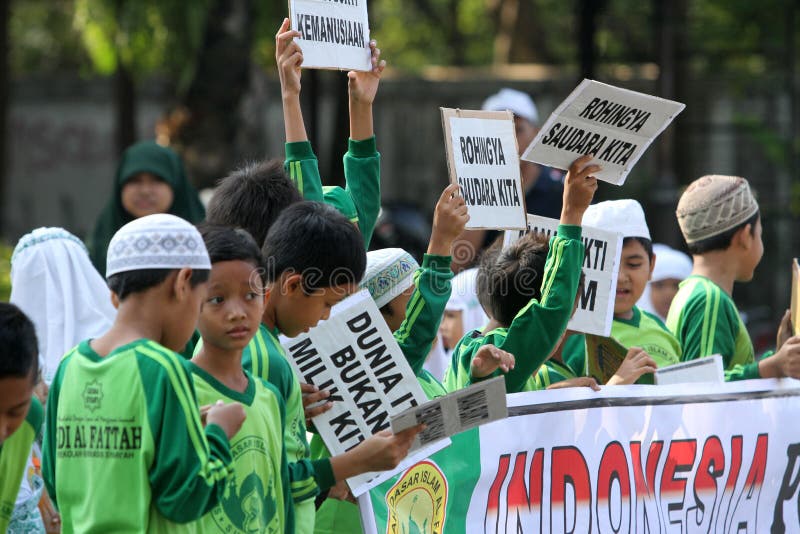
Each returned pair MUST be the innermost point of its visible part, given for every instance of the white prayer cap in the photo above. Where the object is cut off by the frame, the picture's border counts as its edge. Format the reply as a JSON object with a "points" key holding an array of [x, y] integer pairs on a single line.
{"points": [[160, 241], [624, 216], [516, 102], [670, 263], [390, 271]]}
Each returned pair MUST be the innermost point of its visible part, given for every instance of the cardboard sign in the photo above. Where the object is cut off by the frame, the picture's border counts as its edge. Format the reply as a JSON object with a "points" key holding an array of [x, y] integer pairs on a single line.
{"points": [[614, 125], [334, 33], [456, 412], [604, 355], [355, 357], [595, 312], [795, 310], [483, 160], [708, 369]]}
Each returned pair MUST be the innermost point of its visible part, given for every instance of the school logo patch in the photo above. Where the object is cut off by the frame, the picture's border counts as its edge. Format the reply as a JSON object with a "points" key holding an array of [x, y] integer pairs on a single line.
{"points": [[93, 395], [417, 503], [248, 503]]}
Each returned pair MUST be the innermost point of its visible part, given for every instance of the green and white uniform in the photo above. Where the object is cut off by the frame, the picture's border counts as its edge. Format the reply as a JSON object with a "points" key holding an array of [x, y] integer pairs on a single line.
{"points": [[643, 330], [265, 358], [706, 321], [537, 328], [553, 371], [360, 200], [257, 498], [124, 448], [415, 336], [14, 459]]}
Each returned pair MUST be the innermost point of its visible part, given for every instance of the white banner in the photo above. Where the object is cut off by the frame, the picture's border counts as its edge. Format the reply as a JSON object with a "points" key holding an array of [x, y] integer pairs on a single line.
{"points": [[595, 312], [642, 459], [615, 125], [663, 459], [483, 160], [355, 357], [334, 33]]}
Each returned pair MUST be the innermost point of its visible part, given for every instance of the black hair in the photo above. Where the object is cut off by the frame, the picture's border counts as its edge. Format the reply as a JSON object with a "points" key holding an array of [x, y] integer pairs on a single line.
{"points": [[509, 278], [228, 244], [128, 282], [647, 244], [315, 240], [252, 198], [19, 350], [722, 241]]}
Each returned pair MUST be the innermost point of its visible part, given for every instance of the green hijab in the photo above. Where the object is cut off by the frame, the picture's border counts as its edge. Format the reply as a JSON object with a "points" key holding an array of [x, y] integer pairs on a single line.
{"points": [[146, 156]]}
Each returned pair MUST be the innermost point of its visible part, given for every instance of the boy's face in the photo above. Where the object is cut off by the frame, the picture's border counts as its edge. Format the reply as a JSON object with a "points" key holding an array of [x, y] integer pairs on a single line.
{"points": [[752, 250], [231, 312], [397, 309], [15, 400], [296, 311], [451, 328], [661, 294], [635, 270]]}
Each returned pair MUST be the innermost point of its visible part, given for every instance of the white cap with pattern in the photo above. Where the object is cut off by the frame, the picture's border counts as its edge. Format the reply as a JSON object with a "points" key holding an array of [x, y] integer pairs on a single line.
{"points": [[390, 271], [159, 241], [624, 216]]}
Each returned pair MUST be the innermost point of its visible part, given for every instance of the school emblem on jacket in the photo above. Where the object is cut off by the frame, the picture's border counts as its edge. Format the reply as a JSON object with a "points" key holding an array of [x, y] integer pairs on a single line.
{"points": [[93, 395], [417, 502], [247, 505]]}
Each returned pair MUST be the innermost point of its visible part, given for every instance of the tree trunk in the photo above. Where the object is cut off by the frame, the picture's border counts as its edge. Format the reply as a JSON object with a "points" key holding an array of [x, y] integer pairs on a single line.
{"points": [[206, 135], [125, 109], [670, 22], [588, 10], [5, 81]]}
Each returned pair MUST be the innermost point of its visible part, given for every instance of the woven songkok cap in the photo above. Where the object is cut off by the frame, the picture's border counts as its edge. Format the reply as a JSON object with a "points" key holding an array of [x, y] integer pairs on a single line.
{"points": [[712, 205], [159, 241], [390, 271]]}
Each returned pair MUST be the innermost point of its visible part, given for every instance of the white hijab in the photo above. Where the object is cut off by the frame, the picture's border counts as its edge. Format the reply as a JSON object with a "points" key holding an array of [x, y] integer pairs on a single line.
{"points": [[463, 298], [55, 284]]}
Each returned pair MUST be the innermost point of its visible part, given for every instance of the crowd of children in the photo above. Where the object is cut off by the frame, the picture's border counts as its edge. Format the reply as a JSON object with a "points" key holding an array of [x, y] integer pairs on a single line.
{"points": [[169, 376]]}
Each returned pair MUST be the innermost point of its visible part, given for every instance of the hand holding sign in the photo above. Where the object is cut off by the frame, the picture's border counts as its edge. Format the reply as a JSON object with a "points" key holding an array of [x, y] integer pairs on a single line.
{"points": [[579, 188], [380, 452], [333, 33], [289, 58], [449, 219], [363, 85]]}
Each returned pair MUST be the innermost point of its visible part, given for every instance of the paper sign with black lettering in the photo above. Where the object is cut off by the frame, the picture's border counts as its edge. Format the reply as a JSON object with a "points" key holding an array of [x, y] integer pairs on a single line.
{"points": [[483, 160], [595, 312], [615, 125], [355, 357], [334, 34]]}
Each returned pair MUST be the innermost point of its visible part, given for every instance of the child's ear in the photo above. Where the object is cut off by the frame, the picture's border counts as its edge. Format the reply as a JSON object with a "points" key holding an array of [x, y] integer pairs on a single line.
{"points": [[114, 300], [291, 283], [652, 266], [181, 285]]}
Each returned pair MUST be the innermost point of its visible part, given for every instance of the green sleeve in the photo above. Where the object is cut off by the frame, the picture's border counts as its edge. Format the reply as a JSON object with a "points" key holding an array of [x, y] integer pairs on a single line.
{"points": [[537, 328], [424, 310], [288, 506], [709, 327], [35, 416], [742, 372], [51, 432], [303, 169], [191, 463], [362, 174], [574, 354]]}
